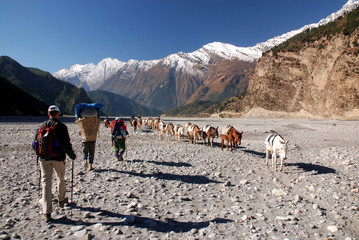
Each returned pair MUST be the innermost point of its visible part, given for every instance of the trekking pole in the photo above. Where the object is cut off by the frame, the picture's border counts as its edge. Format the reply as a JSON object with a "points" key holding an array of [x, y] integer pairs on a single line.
{"points": [[126, 143], [72, 184], [39, 187]]}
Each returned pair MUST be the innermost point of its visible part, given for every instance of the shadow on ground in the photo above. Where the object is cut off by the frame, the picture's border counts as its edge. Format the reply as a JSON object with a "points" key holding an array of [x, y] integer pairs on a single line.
{"points": [[309, 167], [255, 153], [167, 225], [193, 179], [161, 163]]}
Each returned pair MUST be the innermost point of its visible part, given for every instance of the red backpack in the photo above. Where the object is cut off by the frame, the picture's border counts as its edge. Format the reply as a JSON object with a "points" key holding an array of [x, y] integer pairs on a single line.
{"points": [[46, 143], [117, 131]]}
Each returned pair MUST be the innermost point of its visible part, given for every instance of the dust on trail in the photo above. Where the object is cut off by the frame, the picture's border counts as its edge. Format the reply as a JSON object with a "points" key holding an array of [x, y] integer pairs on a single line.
{"points": [[170, 190]]}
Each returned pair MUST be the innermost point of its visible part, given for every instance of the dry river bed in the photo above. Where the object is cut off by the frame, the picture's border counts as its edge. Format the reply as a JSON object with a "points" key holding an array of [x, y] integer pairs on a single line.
{"points": [[169, 190]]}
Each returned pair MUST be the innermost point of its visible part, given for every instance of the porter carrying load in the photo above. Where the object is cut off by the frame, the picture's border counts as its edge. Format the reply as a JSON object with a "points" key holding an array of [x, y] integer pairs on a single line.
{"points": [[88, 120]]}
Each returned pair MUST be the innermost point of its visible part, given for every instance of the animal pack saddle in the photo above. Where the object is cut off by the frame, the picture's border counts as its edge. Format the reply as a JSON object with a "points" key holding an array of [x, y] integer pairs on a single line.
{"points": [[226, 130]]}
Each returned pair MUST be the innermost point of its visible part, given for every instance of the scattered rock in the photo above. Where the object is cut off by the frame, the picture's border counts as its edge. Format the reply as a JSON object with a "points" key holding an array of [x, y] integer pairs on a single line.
{"points": [[279, 192], [333, 229], [227, 183]]}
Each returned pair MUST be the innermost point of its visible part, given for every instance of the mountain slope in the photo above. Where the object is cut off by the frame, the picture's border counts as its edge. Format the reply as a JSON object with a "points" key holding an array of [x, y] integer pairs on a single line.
{"points": [[17, 102], [314, 74], [117, 105], [43, 85]]}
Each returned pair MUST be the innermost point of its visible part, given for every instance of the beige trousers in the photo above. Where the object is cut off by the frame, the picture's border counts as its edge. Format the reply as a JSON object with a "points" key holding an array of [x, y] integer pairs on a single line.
{"points": [[47, 168]]}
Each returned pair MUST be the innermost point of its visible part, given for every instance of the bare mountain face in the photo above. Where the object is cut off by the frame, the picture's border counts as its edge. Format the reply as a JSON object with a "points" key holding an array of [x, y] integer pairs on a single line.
{"points": [[214, 72], [164, 87], [315, 75], [224, 79]]}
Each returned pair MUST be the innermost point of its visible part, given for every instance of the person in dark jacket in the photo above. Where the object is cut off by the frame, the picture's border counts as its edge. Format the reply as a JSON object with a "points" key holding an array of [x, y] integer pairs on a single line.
{"points": [[119, 142], [57, 163]]}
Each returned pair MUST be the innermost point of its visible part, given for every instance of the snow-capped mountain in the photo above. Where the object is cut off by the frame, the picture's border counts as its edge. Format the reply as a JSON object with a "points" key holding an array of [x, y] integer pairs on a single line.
{"points": [[90, 76], [190, 65], [94, 75]]}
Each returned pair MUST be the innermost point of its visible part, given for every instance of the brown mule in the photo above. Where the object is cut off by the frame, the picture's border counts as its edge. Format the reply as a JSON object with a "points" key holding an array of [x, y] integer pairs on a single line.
{"points": [[233, 137], [209, 133]]}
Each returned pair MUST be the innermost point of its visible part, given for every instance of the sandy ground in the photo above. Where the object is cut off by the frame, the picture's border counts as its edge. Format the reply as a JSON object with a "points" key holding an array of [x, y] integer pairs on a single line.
{"points": [[170, 190]]}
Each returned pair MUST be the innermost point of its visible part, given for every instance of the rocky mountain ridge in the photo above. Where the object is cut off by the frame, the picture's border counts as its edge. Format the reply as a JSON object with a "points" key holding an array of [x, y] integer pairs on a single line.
{"points": [[315, 75]]}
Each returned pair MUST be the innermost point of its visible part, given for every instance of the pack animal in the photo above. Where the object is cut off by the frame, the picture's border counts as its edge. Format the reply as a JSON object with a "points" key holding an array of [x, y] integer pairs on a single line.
{"points": [[156, 123], [134, 124], [276, 145], [179, 132], [193, 132], [139, 122], [106, 122], [232, 136], [148, 122], [209, 133], [161, 128], [169, 130]]}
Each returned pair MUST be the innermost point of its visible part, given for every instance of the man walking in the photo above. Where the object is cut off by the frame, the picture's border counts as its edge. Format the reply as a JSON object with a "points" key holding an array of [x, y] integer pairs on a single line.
{"points": [[53, 159]]}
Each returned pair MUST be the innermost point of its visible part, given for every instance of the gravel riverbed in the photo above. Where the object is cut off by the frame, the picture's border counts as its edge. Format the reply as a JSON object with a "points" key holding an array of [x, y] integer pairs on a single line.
{"points": [[169, 190]]}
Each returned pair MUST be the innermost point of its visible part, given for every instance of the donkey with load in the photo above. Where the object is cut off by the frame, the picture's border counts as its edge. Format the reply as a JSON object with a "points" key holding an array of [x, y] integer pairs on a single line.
{"points": [[276, 145], [209, 133], [231, 136]]}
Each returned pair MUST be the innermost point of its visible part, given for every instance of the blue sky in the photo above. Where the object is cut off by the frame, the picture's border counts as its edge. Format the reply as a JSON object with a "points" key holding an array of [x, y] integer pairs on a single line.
{"points": [[56, 34]]}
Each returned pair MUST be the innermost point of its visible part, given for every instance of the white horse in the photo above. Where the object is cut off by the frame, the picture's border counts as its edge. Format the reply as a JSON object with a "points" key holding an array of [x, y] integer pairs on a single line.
{"points": [[179, 132], [276, 145], [162, 128]]}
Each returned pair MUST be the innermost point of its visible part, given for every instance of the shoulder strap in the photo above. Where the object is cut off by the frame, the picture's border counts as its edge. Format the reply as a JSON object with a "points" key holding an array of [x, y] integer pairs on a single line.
{"points": [[49, 123]]}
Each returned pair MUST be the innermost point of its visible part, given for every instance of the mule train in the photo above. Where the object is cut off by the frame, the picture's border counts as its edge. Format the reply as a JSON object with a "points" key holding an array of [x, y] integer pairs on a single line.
{"points": [[194, 133], [275, 144]]}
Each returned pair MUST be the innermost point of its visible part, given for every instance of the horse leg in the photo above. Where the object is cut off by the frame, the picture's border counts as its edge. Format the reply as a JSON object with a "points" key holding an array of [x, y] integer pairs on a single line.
{"points": [[267, 156], [232, 145], [274, 160]]}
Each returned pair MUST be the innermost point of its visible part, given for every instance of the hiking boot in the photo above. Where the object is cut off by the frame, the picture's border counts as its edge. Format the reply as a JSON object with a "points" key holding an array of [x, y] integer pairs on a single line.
{"points": [[119, 157], [46, 217], [62, 203]]}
